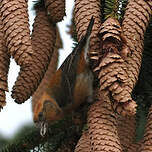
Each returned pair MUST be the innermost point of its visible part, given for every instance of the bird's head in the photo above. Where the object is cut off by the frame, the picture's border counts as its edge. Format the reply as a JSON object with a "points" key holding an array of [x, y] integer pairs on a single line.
{"points": [[46, 111]]}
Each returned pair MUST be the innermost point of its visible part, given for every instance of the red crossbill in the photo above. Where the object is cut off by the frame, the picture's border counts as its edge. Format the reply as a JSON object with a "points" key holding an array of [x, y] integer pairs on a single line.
{"points": [[69, 87]]}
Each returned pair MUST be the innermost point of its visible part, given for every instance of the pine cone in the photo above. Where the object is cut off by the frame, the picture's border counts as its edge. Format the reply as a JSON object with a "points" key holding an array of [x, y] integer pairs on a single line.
{"points": [[135, 21], [126, 130], [4, 66], [43, 41], [102, 129], [14, 15], [56, 9], [135, 147], [147, 141], [112, 68], [83, 11], [83, 144]]}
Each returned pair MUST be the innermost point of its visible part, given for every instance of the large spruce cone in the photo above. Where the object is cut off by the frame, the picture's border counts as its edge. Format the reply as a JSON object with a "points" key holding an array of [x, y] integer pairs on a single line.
{"points": [[102, 127], [4, 66], [147, 141], [134, 25], [43, 42], [55, 9], [126, 127], [83, 144], [83, 11], [112, 68], [14, 15]]}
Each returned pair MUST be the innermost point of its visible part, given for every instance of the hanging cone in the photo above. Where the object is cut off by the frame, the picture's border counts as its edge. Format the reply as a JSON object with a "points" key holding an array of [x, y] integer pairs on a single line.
{"points": [[50, 71], [102, 129], [112, 67], [147, 141], [126, 130], [83, 11], [83, 144], [43, 41], [4, 66], [135, 21], [55, 9], [135, 147], [14, 15]]}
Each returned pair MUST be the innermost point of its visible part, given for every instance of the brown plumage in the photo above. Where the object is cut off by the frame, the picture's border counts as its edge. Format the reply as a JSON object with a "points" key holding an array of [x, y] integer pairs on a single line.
{"points": [[50, 71], [70, 86]]}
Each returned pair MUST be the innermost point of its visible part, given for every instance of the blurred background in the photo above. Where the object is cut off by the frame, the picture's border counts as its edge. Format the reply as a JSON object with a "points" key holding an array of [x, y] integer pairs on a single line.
{"points": [[14, 117]]}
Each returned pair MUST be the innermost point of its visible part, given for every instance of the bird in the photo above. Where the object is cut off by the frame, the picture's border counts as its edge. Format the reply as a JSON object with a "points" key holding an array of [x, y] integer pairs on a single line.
{"points": [[69, 87]]}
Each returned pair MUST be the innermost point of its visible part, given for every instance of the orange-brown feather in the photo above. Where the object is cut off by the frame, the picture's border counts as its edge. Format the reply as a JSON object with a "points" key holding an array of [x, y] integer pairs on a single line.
{"points": [[51, 114], [82, 90], [55, 80]]}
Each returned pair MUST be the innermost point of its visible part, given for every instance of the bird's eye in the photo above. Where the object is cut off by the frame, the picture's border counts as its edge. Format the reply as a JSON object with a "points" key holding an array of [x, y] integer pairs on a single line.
{"points": [[40, 116], [47, 102]]}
